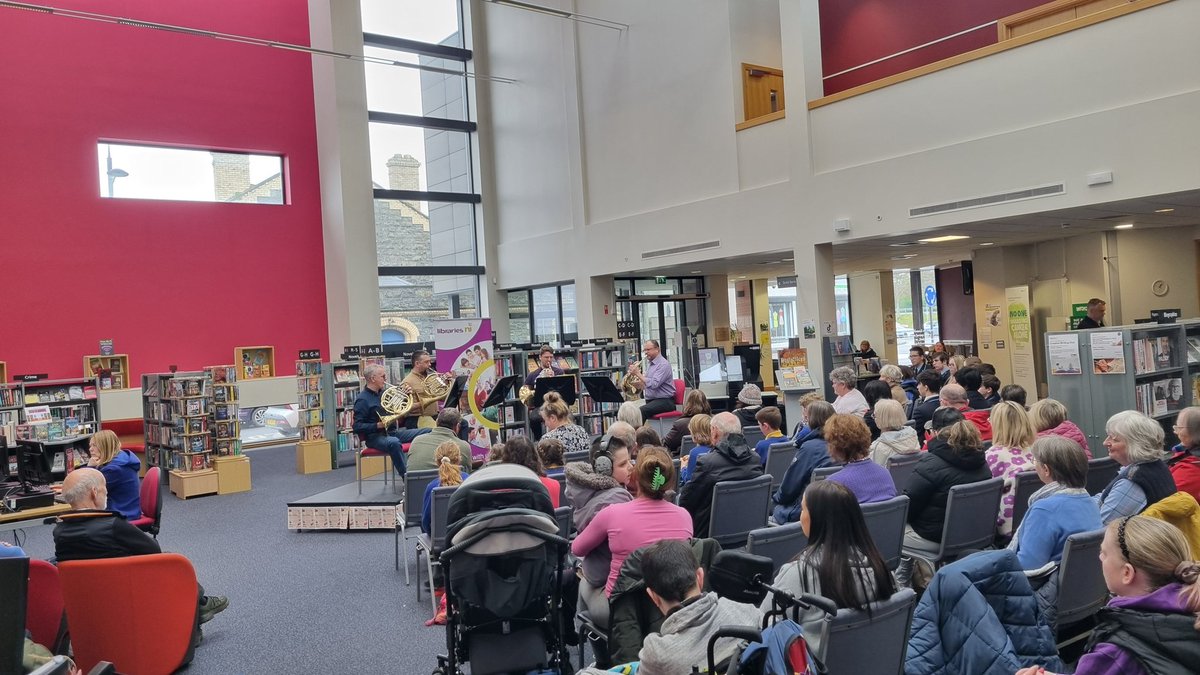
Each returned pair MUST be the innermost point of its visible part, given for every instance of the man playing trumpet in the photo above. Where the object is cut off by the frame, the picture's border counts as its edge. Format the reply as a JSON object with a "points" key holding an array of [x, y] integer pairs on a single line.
{"points": [[546, 368], [369, 414]]}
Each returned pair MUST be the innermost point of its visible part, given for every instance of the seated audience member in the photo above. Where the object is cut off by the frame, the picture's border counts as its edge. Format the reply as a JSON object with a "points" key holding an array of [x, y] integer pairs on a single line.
{"points": [[812, 452], [631, 525], [801, 429], [626, 433], [1135, 441], [1060, 508], [89, 531], [630, 413], [674, 580], [849, 444], [955, 457], [840, 562], [874, 391], [957, 363], [561, 425], [1185, 462], [591, 487], [731, 459], [1014, 393], [895, 437], [941, 366], [1008, 455], [1150, 626], [696, 403], [1050, 417], [646, 435], [749, 402], [519, 450], [700, 429], [865, 351], [120, 469], [990, 390], [954, 396], [494, 454], [940, 346], [849, 401], [893, 376], [769, 420], [971, 380], [550, 451], [450, 473], [8, 550], [422, 449], [972, 362], [929, 388]]}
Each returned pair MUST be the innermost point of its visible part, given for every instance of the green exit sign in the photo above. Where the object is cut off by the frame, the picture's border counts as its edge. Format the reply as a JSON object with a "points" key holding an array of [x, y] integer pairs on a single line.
{"points": [[660, 280]]}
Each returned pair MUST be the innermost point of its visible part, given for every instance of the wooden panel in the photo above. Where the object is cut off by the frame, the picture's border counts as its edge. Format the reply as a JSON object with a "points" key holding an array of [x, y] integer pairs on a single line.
{"points": [[753, 123], [762, 90], [1051, 14]]}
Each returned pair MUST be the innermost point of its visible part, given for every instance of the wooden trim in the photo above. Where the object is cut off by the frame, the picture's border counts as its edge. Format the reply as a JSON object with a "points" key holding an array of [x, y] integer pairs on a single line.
{"points": [[1006, 25], [966, 57], [748, 93], [761, 119]]}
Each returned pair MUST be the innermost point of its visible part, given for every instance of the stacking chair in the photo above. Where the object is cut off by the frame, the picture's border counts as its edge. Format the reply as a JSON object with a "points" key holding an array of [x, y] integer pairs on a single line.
{"points": [[562, 487], [739, 506], [1101, 472], [686, 445], [780, 544], [115, 626], [660, 421], [1024, 484], [971, 512], [45, 617], [387, 467], [871, 642], [415, 483], [432, 544], [150, 498], [576, 456], [1081, 588], [821, 473], [779, 458], [14, 588], [901, 466], [753, 435], [563, 516], [885, 521]]}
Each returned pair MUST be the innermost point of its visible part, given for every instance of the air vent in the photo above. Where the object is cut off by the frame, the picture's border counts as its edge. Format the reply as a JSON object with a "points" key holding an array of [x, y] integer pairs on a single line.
{"points": [[686, 248], [977, 202]]}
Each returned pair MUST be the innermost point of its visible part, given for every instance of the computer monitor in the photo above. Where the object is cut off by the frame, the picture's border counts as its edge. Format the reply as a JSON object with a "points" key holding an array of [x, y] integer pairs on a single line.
{"points": [[712, 364], [733, 366]]}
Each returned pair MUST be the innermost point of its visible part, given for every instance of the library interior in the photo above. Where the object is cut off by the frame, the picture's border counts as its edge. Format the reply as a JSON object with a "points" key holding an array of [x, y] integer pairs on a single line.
{"points": [[648, 375]]}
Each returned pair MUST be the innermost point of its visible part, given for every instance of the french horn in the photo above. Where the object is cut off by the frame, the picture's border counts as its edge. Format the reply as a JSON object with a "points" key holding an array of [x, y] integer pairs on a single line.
{"points": [[397, 402]]}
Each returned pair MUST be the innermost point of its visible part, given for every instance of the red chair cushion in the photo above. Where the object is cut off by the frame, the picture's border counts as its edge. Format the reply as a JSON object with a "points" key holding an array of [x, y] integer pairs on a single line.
{"points": [[44, 612], [667, 415], [140, 628], [405, 447], [142, 522], [372, 452]]}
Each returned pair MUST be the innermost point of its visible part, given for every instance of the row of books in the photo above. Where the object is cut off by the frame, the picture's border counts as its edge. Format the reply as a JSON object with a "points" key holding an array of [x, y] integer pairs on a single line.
{"points": [[601, 359], [228, 447], [159, 410], [316, 433], [62, 394], [1160, 396], [348, 442], [225, 431], [10, 397], [1152, 354], [564, 362], [222, 374], [191, 426], [181, 462], [53, 430], [225, 411], [510, 415], [225, 394], [310, 400], [308, 368], [345, 375], [307, 384], [183, 387], [596, 425], [345, 419], [344, 398]]}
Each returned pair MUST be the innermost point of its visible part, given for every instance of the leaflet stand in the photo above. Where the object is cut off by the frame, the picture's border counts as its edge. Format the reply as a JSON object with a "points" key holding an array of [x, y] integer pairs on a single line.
{"points": [[602, 389], [563, 384], [500, 391]]}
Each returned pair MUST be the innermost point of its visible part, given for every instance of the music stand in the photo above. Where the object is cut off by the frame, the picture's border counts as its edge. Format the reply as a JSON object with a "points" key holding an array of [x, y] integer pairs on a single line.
{"points": [[602, 389], [455, 392], [563, 384], [500, 391]]}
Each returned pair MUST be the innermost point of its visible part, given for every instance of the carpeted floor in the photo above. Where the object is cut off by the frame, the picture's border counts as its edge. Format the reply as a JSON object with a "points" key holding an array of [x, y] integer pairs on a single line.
{"points": [[313, 602]]}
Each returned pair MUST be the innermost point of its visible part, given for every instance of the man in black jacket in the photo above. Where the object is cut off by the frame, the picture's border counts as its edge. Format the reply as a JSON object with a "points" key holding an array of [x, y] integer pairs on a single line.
{"points": [[929, 383], [730, 459], [90, 531]]}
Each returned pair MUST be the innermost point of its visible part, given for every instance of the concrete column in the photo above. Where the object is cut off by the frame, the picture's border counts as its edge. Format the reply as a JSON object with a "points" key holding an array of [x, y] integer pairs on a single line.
{"points": [[814, 301], [872, 302], [719, 312], [343, 151], [762, 316]]}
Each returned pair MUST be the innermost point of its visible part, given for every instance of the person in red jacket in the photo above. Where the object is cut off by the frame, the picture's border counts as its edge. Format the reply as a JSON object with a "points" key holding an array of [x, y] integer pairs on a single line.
{"points": [[954, 396], [1185, 463]]}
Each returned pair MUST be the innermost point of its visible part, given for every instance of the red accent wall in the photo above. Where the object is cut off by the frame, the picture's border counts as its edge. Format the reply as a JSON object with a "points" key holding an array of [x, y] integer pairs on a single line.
{"points": [[170, 282], [854, 32]]}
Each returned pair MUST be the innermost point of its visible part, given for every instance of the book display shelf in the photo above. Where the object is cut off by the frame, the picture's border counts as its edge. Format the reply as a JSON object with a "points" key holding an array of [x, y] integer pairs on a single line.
{"points": [[1151, 368], [56, 409], [343, 380], [189, 455], [512, 414], [313, 452], [156, 418], [598, 359], [12, 401], [255, 362], [110, 372], [232, 467]]}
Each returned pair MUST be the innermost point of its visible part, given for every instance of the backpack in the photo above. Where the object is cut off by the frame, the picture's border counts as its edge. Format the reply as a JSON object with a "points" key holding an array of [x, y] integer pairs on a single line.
{"points": [[782, 651]]}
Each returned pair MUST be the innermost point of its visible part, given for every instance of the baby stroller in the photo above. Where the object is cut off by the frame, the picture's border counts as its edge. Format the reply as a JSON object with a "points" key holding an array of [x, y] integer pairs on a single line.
{"points": [[501, 571]]}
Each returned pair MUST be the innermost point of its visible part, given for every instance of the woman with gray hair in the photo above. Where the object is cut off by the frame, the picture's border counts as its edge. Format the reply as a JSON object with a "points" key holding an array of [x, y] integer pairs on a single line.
{"points": [[1135, 441], [630, 412], [893, 376], [849, 401]]}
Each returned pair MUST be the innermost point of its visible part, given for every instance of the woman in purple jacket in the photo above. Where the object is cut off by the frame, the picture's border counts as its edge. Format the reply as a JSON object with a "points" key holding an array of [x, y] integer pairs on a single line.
{"points": [[1150, 627], [849, 443]]}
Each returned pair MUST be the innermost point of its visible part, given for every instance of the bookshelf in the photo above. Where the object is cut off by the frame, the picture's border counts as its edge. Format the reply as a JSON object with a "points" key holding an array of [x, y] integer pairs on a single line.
{"points": [[313, 451], [156, 418], [189, 454], [224, 418], [512, 415], [342, 381], [72, 406], [1151, 368], [12, 400], [598, 359], [110, 372], [255, 362]]}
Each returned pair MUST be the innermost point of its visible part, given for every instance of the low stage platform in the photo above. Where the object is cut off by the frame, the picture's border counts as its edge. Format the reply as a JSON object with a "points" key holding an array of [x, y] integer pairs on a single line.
{"points": [[343, 508]]}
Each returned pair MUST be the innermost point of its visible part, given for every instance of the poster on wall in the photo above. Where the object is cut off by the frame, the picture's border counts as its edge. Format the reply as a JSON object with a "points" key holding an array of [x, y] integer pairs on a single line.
{"points": [[989, 322], [1063, 352], [464, 347], [1020, 333], [1108, 353]]}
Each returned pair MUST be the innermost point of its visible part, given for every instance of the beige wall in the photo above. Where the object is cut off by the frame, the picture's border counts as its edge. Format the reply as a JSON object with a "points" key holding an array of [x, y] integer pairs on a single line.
{"points": [[1146, 256]]}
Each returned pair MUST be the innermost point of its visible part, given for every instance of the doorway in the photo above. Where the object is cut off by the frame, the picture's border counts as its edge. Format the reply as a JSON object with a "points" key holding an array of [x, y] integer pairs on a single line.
{"points": [[673, 313]]}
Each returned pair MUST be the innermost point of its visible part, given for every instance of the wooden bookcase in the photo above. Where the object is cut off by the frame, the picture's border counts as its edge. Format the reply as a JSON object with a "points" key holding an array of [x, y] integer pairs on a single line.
{"points": [[110, 372], [3, 372], [254, 362]]}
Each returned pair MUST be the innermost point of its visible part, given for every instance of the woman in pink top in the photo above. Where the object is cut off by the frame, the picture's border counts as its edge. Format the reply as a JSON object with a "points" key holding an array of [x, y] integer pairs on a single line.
{"points": [[647, 519]]}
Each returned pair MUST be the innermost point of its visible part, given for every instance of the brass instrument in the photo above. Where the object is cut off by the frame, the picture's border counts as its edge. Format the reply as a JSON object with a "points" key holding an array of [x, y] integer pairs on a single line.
{"points": [[632, 383], [437, 385], [399, 401], [526, 392]]}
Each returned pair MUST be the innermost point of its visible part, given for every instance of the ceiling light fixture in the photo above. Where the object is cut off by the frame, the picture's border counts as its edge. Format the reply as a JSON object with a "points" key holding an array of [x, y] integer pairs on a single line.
{"points": [[906, 256], [987, 243], [696, 272], [1164, 210], [947, 237], [1125, 226], [788, 259]]}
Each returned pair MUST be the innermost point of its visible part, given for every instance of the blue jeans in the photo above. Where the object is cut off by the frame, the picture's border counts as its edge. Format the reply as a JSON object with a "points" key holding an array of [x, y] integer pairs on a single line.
{"points": [[391, 443]]}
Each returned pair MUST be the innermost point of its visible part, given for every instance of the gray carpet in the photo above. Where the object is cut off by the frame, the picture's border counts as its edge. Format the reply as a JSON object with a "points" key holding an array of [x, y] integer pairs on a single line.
{"points": [[315, 602]]}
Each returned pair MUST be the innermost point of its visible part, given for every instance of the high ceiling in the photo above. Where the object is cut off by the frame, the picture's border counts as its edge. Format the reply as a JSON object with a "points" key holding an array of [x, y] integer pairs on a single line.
{"points": [[884, 253]]}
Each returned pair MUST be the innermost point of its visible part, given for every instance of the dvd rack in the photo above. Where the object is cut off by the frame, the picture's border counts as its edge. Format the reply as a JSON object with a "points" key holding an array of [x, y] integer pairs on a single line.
{"points": [[225, 418]]}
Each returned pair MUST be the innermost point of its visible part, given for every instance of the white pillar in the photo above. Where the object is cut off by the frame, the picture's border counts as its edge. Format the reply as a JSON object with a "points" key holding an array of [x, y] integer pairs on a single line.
{"points": [[814, 301]]}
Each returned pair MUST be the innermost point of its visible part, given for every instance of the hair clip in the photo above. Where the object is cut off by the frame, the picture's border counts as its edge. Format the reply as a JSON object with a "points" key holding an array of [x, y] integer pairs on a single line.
{"points": [[1121, 538], [658, 480]]}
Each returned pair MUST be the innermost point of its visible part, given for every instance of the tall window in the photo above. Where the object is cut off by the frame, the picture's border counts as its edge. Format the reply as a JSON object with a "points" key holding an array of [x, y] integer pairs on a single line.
{"points": [[421, 132], [916, 308], [552, 320]]}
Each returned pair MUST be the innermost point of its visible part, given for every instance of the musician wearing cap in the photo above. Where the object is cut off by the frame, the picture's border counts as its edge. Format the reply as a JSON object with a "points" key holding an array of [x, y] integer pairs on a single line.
{"points": [[372, 423], [656, 383], [546, 368]]}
